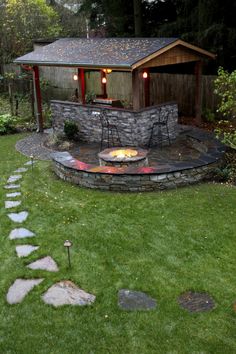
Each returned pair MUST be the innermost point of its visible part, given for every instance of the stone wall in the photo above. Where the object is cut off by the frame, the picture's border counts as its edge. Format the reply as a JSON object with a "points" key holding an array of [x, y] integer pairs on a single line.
{"points": [[131, 182], [134, 126]]}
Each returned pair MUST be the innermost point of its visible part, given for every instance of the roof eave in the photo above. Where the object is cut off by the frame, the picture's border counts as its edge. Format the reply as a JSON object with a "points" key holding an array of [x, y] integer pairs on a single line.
{"points": [[120, 67]]}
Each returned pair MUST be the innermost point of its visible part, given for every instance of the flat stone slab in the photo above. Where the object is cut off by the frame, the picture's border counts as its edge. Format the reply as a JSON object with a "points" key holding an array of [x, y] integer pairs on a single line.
{"points": [[67, 293], [20, 288], [29, 163], [18, 217], [20, 233], [196, 302], [46, 263], [21, 170], [13, 195], [14, 178], [135, 300], [12, 204], [25, 250], [12, 186]]}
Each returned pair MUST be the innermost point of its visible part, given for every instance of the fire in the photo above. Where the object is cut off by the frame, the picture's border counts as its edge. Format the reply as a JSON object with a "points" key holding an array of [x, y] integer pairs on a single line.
{"points": [[124, 153]]}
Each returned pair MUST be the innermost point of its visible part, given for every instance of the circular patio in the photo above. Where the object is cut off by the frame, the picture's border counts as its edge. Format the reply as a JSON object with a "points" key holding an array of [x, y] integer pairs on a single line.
{"points": [[192, 158]]}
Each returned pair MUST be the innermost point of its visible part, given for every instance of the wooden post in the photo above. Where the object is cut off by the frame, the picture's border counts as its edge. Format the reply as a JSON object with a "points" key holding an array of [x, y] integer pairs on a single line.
{"points": [[198, 92], [82, 84], [104, 85], [38, 99], [147, 88], [10, 97], [135, 89], [32, 97]]}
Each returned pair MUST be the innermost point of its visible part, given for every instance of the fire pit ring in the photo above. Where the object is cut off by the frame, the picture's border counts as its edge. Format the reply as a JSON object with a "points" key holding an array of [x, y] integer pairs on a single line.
{"points": [[123, 157]]}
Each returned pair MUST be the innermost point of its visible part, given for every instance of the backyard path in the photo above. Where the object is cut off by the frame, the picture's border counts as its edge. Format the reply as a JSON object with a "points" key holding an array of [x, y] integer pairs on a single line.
{"points": [[64, 292]]}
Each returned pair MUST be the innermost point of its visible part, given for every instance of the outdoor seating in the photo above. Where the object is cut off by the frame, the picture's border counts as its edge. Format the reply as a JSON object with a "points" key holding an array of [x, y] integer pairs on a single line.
{"points": [[159, 125], [110, 133]]}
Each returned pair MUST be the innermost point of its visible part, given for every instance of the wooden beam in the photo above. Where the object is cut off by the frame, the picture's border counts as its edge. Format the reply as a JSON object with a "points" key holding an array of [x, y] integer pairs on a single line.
{"points": [[82, 84], [135, 89], [38, 99], [104, 85], [147, 88], [198, 92]]}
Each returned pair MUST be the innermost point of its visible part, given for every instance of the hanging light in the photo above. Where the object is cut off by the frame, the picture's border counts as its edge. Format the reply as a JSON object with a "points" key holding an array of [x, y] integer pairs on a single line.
{"points": [[145, 75], [104, 80], [75, 77], [107, 71]]}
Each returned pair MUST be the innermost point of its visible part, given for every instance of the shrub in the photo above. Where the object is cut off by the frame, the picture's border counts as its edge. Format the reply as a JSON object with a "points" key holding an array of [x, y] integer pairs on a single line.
{"points": [[225, 88], [7, 124], [70, 129]]}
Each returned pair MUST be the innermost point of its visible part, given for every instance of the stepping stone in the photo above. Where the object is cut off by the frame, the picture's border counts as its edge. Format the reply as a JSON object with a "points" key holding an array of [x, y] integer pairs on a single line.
{"points": [[25, 250], [28, 163], [12, 204], [46, 263], [14, 178], [67, 293], [18, 217], [135, 300], [20, 233], [13, 195], [196, 302], [20, 288], [12, 186], [21, 170]]}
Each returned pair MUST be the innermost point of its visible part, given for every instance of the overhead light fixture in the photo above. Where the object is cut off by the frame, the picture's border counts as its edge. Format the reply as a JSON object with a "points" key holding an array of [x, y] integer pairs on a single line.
{"points": [[75, 77], [104, 80], [107, 71]]}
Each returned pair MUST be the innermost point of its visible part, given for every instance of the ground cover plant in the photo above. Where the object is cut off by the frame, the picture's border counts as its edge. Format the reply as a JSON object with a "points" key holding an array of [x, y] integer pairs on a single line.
{"points": [[161, 243]]}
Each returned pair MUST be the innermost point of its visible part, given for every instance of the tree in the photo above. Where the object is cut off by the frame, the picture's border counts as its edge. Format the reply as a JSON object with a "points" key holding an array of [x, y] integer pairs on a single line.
{"points": [[23, 21]]}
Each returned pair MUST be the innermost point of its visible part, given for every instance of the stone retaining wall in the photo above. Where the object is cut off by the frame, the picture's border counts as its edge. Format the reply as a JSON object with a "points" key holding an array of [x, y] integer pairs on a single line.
{"points": [[134, 183], [134, 126]]}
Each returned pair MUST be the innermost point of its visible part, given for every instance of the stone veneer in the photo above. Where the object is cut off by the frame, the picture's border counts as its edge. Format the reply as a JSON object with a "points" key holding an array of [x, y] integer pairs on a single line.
{"points": [[134, 126], [164, 176]]}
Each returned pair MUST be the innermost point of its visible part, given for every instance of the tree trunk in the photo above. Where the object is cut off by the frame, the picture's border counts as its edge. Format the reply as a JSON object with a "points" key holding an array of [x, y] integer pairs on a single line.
{"points": [[137, 18]]}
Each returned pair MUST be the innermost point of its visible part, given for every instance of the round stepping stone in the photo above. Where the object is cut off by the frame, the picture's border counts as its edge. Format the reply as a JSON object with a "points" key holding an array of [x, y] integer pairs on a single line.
{"points": [[25, 250], [46, 263], [196, 302], [13, 195], [20, 288], [14, 178], [21, 170], [20, 233], [67, 293], [12, 186], [18, 217], [135, 300], [12, 204]]}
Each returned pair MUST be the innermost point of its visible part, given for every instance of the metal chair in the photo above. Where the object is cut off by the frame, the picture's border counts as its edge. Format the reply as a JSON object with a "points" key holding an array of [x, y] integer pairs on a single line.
{"points": [[159, 124], [109, 131]]}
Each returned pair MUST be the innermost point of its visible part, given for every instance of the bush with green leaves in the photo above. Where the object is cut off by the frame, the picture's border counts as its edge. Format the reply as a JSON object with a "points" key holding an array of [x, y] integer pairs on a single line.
{"points": [[70, 129], [7, 124], [225, 89]]}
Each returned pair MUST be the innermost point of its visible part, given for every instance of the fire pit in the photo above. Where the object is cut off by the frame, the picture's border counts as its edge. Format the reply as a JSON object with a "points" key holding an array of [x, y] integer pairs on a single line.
{"points": [[123, 157]]}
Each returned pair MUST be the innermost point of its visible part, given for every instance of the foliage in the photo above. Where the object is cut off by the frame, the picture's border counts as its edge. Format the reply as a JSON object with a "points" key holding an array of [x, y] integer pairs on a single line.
{"points": [[89, 97], [70, 129], [23, 21], [228, 138], [209, 116], [7, 124], [225, 88], [161, 243]]}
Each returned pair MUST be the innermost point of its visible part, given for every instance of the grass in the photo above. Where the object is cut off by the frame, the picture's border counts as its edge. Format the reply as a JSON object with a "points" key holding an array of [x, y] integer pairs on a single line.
{"points": [[161, 243]]}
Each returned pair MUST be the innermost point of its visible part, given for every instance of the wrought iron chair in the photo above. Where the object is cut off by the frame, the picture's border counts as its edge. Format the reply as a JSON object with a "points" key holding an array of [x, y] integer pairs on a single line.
{"points": [[110, 132], [159, 124]]}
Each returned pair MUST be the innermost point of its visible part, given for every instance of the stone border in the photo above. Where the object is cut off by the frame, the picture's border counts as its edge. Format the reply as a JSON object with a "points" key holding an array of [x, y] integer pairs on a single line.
{"points": [[167, 175]]}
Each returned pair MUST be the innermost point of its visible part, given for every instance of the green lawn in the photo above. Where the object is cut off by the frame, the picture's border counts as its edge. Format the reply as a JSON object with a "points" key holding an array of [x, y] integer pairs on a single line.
{"points": [[161, 243]]}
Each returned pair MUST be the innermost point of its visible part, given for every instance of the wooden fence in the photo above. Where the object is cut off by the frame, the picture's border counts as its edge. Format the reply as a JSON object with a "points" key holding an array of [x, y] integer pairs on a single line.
{"points": [[163, 87]]}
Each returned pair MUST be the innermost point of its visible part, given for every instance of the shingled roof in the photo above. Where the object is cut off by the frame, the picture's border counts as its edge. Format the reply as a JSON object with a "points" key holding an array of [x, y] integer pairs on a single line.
{"points": [[121, 53]]}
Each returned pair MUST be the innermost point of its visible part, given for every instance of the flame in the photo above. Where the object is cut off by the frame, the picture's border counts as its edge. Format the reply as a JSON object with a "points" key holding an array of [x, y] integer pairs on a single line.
{"points": [[124, 153]]}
